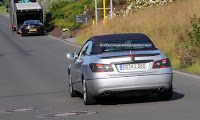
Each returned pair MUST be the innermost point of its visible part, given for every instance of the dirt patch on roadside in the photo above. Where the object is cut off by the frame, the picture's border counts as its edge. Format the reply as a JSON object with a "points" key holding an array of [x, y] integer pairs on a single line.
{"points": [[56, 32]]}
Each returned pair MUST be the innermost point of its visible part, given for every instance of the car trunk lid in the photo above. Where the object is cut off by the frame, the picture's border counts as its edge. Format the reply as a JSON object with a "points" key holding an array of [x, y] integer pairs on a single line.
{"points": [[131, 62]]}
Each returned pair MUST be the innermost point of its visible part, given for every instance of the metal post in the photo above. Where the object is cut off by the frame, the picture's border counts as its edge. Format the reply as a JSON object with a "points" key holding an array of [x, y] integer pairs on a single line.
{"points": [[104, 6], [111, 10], [75, 23], [96, 12], [111, 7]]}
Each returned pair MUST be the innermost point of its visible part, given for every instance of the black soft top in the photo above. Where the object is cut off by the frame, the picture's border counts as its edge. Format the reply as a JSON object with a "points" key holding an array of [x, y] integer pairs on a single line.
{"points": [[124, 36], [97, 40]]}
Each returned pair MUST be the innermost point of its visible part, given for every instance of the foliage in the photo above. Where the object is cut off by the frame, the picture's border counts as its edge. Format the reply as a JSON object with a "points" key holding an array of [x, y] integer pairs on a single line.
{"points": [[135, 5], [189, 47], [5, 2], [166, 25], [3, 10], [63, 12], [120, 2]]}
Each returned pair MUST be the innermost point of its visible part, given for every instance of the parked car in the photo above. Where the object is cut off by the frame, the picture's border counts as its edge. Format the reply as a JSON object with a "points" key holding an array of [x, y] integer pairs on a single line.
{"points": [[32, 27], [118, 63]]}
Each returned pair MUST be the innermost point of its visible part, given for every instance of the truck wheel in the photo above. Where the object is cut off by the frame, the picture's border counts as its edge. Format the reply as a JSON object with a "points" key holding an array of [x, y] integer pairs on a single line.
{"points": [[88, 99], [13, 29]]}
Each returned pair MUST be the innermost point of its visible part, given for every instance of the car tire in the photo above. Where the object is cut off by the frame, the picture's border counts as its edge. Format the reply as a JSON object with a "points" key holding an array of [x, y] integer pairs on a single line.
{"points": [[72, 92], [13, 29], [166, 94], [87, 98], [43, 33]]}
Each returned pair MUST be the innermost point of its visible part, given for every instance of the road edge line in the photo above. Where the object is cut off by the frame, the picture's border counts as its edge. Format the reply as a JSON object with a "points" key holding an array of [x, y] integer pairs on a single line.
{"points": [[191, 74], [65, 41]]}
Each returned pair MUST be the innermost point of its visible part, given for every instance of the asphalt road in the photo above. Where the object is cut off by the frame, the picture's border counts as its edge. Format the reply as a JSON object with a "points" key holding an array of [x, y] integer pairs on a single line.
{"points": [[33, 73]]}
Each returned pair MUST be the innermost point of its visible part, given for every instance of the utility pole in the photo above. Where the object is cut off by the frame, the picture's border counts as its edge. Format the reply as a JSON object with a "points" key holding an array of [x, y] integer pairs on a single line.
{"points": [[96, 14]]}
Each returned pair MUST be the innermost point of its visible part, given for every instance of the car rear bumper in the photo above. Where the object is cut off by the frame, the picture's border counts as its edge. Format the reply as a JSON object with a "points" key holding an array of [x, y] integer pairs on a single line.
{"points": [[97, 87], [39, 31]]}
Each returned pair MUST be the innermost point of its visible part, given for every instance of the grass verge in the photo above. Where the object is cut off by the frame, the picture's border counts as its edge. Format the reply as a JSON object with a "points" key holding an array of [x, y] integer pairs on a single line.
{"points": [[3, 10], [165, 25]]}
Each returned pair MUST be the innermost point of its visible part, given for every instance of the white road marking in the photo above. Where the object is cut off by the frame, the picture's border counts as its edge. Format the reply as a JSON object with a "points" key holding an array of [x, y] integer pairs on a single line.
{"points": [[187, 74], [65, 41], [179, 72]]}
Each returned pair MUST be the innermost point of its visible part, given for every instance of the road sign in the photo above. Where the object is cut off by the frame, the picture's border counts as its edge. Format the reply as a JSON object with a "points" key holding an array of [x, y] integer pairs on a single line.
{"points": [[80, 18]]}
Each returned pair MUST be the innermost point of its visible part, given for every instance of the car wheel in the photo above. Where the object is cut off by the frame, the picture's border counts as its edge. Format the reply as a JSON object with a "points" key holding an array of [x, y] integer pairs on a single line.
{"points": [[166, 94], [88, 99], [43, 33], [72, 92], [13, 29]]}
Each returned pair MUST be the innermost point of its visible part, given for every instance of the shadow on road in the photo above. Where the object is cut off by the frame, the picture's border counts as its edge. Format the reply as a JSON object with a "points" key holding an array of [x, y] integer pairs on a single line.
{"points": [[135, 99], [35, 35], [177, 96]]}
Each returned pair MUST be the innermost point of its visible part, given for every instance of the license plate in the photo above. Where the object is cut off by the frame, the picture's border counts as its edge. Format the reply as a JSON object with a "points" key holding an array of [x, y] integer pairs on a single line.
{"points": [[33, 30], [140, 66]]}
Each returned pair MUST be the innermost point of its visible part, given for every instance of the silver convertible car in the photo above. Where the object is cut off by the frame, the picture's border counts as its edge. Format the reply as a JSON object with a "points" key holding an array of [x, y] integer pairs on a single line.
{"points": [[114, 64]]}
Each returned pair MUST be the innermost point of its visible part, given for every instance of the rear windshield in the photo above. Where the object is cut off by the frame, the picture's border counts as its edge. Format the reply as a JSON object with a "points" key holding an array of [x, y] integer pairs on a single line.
{"points": [[123, 45], [32, 22]]}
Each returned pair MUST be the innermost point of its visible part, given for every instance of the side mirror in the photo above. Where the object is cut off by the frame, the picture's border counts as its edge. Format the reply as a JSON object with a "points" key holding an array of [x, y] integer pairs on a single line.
{"points": [[157, 48], [71, 55]]}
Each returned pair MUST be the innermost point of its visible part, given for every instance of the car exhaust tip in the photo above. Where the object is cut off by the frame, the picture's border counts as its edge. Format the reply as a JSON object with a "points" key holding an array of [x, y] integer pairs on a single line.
{"points": [[107, 93], [161, 89]]}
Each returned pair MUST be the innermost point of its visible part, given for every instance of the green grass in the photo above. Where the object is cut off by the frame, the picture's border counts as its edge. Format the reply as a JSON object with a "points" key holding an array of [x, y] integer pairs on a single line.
{"points": [[195, 68], [165, 25], [3, 10]]}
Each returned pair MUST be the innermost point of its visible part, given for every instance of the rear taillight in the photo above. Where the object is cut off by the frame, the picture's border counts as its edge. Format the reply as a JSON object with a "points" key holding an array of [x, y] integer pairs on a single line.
{"points": [[162, 63], [101, 67], [39, 26], [25, 26]]}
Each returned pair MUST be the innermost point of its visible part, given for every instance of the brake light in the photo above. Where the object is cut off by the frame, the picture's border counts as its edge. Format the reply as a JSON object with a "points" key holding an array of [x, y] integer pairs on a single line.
{"points": [[101, 67], [25, 26], [162, 63], [39, 26]]}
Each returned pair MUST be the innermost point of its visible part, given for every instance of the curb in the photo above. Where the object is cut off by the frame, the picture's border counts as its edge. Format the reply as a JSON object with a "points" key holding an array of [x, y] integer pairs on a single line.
{"points": [[7, 15], [69, 42], [191, 74], [65, 41]]}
